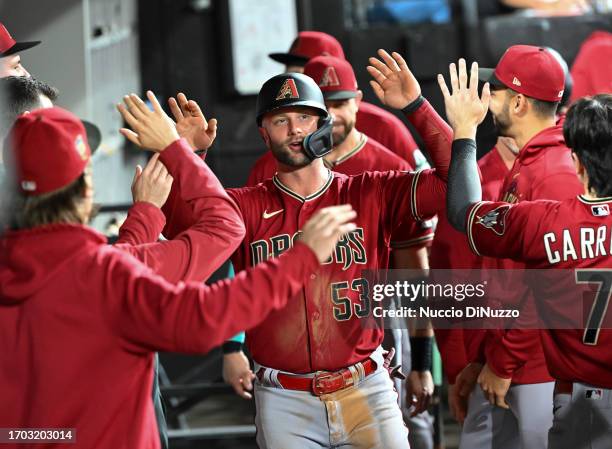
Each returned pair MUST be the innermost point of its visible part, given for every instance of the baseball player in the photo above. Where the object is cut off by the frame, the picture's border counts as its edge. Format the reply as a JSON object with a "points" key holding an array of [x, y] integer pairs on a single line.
{"points": [[10, 60], [319, 370], [354, 153], [375, 122], [527, 85], [572, 235], [59, 346], [450, 250]]}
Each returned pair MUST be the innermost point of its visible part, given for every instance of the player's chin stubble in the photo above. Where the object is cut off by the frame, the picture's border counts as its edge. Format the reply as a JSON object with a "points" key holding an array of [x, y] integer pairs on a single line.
{"points": [[340, 136], [285, 156], [502, 124]]}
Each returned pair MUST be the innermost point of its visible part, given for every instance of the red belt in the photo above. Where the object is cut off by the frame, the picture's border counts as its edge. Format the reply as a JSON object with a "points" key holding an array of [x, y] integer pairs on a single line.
{"points": [[563, 387], [324, 382]]}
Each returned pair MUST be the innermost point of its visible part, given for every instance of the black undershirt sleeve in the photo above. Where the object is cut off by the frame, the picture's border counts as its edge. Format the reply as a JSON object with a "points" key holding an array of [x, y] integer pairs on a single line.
{"points": [[463, 182]]}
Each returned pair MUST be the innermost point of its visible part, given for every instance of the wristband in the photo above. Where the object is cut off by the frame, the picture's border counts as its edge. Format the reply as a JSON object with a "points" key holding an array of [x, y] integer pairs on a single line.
{"points": [[421, 353], [416, 104]]}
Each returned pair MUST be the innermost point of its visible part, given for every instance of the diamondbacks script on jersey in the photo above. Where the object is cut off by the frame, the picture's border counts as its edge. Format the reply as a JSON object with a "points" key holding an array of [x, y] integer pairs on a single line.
{"points": [[322, 328]]}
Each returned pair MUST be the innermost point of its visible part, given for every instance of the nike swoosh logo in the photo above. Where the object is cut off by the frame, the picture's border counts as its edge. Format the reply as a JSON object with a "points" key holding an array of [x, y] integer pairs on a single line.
{"points": [[271, 214]]}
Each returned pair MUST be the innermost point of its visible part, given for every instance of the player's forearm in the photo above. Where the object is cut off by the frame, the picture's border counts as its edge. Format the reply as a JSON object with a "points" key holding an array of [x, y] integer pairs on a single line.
{"points": [[434, 131], [200, 213], [194, 318], [143, 224], [463, 182]]}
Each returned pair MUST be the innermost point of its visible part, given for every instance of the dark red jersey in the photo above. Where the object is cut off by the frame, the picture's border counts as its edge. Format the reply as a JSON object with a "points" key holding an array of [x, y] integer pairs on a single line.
{"points": [[329, 312], [450, 250], [368, 155], [573, 234]]}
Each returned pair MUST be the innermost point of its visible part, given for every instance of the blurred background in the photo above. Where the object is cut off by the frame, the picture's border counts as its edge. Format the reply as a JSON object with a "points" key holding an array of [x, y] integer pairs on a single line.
{"points": [[215, 51]]}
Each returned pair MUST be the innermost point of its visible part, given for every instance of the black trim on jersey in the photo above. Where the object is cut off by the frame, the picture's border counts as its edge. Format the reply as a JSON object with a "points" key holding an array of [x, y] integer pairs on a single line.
{"points": [[318, 193], [597, 201], [413, 196], [470, 226]]}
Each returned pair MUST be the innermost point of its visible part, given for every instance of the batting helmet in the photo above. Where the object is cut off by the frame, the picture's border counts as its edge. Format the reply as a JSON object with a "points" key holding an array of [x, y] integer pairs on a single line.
{"points": [[289, 89]]}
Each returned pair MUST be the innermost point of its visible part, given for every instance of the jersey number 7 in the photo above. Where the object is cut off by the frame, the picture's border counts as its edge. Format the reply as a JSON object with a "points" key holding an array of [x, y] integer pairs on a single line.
{"points": [[600, 305]]}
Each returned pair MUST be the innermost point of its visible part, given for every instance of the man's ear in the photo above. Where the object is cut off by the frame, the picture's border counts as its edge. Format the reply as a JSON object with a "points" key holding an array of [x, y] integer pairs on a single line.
{"points": [[519, 104], [358, 98], [88, 192], [263, 132]]}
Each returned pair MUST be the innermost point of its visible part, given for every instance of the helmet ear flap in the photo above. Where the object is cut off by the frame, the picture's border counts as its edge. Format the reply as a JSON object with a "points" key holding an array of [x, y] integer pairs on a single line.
{"points": [[320, 142]]}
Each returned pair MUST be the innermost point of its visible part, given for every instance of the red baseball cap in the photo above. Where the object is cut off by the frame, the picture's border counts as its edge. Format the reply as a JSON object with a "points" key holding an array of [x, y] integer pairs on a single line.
{"points": [[49, 150], [307, 45], [335, 77], [9, 46], [531, 71]]}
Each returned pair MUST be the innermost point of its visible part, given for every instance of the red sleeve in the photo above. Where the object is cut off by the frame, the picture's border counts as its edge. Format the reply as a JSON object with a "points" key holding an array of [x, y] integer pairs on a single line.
{"points": [[150, 314], [436, 134], [407, 196], [452, 351], [264, 169], [213, 226], [499, 229], [412, 234], [428, 194], [144, 224]]}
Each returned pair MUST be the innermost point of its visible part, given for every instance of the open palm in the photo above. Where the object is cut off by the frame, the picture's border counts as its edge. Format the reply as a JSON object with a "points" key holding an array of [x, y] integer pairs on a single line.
{"points": [[191, 123], [394, 84], [465, 110]]}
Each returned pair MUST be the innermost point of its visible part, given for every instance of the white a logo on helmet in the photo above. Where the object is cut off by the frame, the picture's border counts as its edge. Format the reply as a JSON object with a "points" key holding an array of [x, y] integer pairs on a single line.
{"points": [[516, 81], [288, 90], [329, 78], [560, 94]]}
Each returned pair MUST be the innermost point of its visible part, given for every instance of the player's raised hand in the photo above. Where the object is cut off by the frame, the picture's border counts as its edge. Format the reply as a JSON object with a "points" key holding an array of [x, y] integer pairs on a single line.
{"points": [[465, 110], [324, 229], [151, 129], [152, 184], [237, 373], [494, 387], [394, 84], [191, 123]]}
